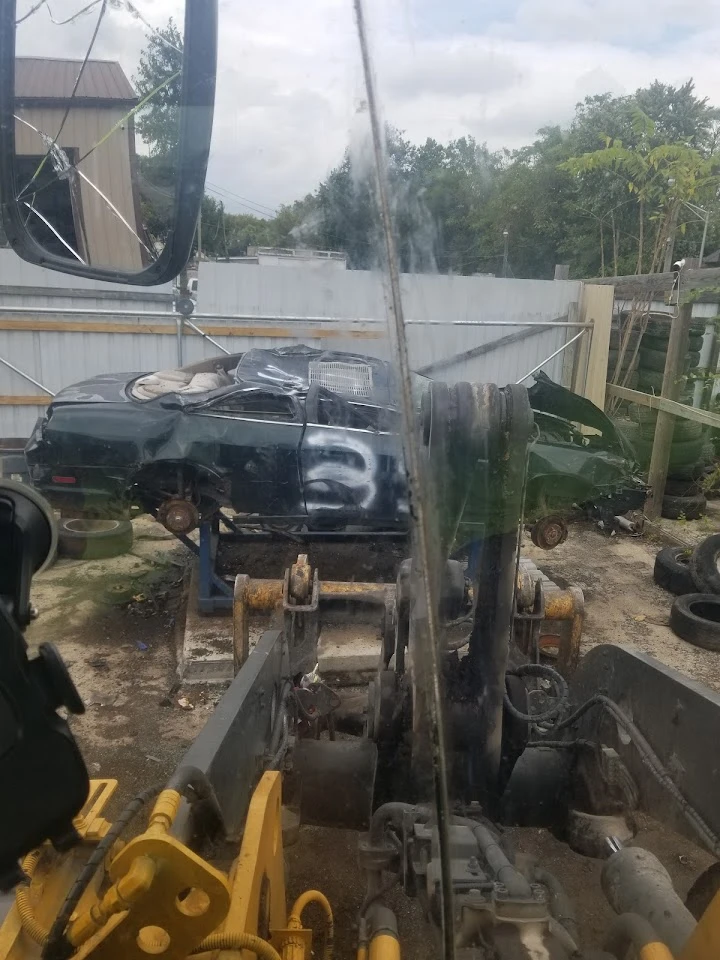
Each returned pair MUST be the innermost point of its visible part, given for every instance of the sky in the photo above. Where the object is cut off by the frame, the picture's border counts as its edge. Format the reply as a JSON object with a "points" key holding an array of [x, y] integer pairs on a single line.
{"points": [[290, 92]]}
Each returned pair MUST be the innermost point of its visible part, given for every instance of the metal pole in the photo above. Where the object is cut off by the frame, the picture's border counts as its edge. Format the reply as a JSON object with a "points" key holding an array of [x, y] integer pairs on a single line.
{"points": [[26, 376], [551, 357], [506, 237], [704, 237], [179, 323], [202, 334], [270, 318]]}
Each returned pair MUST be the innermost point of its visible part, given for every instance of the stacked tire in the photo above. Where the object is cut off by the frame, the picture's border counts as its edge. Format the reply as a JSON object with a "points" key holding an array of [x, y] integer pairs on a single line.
{"points": [[694, 576], [691, 450], [627, 373]]}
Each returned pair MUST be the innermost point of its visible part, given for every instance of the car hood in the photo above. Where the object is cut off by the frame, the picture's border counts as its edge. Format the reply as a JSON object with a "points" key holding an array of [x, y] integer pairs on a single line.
{"points": [[546, 396], [108, 388]]}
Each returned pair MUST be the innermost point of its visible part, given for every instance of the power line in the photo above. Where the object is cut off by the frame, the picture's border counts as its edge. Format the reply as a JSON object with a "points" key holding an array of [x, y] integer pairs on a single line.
{"points": [[261, 207]]}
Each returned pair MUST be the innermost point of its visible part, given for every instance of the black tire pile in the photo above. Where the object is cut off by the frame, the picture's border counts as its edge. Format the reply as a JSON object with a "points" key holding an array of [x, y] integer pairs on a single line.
{"points": [[691, 449], [627, 375], [694, 576]]}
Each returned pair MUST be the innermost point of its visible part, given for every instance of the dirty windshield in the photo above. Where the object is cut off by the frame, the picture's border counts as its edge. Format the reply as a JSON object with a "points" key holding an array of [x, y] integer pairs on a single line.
{"points": [[357, 517]]}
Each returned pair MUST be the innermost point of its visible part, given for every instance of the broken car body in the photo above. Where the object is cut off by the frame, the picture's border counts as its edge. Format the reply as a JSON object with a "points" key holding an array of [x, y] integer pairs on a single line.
{"points": [[293, 436]]}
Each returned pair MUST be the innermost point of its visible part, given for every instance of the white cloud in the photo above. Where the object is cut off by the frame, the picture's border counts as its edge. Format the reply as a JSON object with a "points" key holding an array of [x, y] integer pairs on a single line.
{"points": [[289, 80]]}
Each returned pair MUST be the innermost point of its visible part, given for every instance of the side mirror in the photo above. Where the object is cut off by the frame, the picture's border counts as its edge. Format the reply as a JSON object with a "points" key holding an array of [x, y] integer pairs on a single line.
{"points": [[102, 177]]}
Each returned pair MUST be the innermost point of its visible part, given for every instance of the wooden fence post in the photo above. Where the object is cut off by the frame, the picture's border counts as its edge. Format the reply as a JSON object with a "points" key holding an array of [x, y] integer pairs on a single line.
{"points": [[671, 386]]}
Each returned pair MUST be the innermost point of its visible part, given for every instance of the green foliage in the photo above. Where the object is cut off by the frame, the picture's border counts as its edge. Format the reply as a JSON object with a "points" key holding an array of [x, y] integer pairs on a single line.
{"points": [[160, 70]]}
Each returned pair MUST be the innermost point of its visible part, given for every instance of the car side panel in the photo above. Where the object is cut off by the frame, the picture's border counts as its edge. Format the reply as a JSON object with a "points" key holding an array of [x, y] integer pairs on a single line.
{"points": [[355, 476]]}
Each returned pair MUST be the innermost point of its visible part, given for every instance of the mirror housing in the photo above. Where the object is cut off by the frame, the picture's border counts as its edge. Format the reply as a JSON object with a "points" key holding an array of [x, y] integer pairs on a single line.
{"points": [[196, 116]]}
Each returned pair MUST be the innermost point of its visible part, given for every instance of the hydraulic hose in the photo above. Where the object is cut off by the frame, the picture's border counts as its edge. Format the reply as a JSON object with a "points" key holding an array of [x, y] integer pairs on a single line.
{"points": [[497, 859], [654, 764], [544, 672], [295, 918], [57, 947], [238, 941], [560, 905], [32, 927]]}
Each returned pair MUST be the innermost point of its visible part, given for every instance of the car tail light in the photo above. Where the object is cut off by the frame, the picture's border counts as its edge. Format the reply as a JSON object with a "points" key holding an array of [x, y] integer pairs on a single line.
{"points": [[64, 479]]}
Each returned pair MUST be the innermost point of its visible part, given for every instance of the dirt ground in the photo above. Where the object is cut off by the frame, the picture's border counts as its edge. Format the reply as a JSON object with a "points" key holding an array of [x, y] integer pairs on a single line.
{"points": [[622, 602], [123, 660]]}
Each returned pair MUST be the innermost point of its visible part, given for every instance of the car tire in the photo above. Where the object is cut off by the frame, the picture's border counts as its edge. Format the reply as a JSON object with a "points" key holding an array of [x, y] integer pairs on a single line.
{"points": [[633, 339], [689, 508], [704, 565], [682, 488], [653, 380], [686, 472], [681, 454], [685, 430], [94, 539], [655, 359], [672, 572], [696, 618], [650, 342]]}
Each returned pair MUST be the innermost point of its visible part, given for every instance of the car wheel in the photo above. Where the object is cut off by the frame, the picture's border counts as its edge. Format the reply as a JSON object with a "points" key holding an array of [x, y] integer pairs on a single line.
{"points": [[696, 618], [672, 572], [704, 565], [94, 539], [689, 508]]}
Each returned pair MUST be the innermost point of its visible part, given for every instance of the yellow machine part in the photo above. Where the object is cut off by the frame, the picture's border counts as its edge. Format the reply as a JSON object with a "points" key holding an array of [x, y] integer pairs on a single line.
{"points": [[704, 943]]}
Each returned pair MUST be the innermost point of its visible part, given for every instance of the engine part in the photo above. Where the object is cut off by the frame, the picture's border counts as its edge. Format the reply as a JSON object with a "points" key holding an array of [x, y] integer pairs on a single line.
{"points": [[634, 881], [178, 516], [696, 618], [632, 931], [672, 571], [704, 565]]}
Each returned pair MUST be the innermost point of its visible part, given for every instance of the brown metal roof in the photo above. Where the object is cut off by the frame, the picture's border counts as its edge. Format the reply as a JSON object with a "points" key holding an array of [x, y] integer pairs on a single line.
{"points": [[42, 78]]}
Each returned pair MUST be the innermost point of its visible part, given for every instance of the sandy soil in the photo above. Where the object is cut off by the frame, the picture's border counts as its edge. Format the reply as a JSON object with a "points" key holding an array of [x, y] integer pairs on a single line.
{"points": [[622, 602], [123, 660]]}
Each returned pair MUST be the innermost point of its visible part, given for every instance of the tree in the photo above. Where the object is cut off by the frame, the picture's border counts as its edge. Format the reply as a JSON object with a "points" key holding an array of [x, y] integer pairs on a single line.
{"points": [[159, 77]]}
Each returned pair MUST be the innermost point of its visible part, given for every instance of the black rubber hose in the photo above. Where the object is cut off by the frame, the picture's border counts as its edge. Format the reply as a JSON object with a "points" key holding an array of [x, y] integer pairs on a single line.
{"points": [[560, 905], [393, 812], [503, 870], [191, 780], [547, 673], [654, 764], [57, 946], [629, 930]]}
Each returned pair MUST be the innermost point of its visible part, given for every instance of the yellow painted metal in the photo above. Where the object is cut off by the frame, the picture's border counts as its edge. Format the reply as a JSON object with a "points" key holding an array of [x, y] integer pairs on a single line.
{"points": [[164, 812], [655, 951], [239, 941], [257, 897], [121, 896], [52, 876], [362, 953], [704, 943], [295, 918], [90, 823], [385, 947], [162, 916]]}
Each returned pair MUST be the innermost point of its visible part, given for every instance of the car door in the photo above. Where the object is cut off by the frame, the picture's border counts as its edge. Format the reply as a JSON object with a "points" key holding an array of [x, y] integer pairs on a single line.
{"points": [[255, 436], [351, 463]]}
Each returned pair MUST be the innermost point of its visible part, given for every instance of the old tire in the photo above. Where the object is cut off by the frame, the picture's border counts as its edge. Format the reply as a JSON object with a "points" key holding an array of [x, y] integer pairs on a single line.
{"points": [[684, 430], [696, 618], [689, 508], [653, 380], [704, 565], [672, 572], [94, 539], [661, 343], [682, 488], [682, 454], [686, 472]]}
